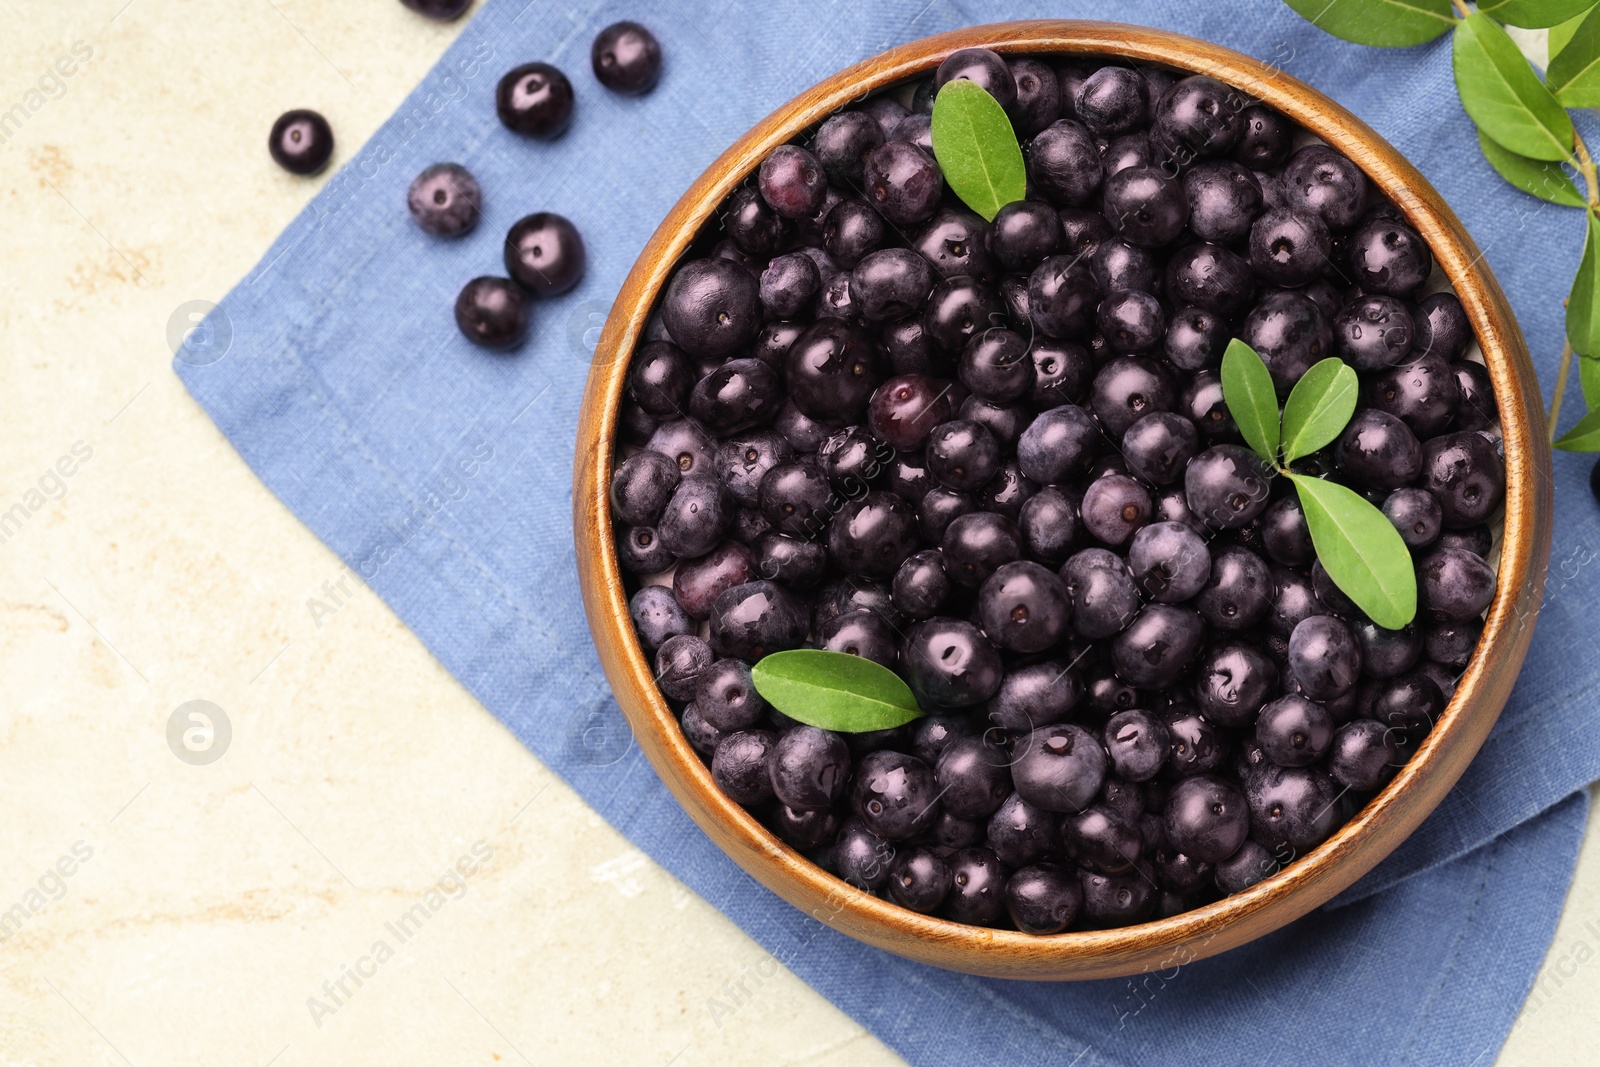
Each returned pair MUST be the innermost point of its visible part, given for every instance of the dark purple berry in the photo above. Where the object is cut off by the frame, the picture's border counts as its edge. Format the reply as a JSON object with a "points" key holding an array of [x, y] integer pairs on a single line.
{"points": [[534, 99], [626, 58], [492, 312]]}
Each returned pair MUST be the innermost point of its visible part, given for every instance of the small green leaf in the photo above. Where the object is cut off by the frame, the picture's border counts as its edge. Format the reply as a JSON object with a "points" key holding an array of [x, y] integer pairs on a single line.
{"points": [[1361, 551], [1391, 23], [1583, 324], [1247, 390], [835, 690], [1589, 379], [977, 148], [1545, 180], [1584, 435], [1504, 96], [1533, 14], [1561, 36], [1319, 407], [1574, 71]]}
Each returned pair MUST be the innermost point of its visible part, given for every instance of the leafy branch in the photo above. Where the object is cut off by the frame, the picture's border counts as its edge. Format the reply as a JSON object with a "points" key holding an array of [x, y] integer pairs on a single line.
{"points": [[1525, 130]]}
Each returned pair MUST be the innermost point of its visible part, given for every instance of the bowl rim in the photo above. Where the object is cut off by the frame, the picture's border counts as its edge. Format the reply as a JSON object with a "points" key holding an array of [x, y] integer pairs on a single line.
{"points": [[1311, 880]]}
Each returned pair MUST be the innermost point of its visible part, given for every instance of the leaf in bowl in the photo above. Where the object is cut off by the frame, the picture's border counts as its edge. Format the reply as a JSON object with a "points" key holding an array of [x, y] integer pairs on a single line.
{"points": [[1361, 551], [1248, 392], [835, 690], [1319, 407], [977, 148]]}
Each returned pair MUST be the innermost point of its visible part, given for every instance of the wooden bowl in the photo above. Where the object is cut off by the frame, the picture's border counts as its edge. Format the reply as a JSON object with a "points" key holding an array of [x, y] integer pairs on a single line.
{"points": [[1310, 880]]}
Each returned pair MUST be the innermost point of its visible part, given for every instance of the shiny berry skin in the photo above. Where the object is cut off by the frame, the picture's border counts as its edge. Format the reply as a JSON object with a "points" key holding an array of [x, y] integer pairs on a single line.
{"points": [[1114, 507], [1410, 702], [872, 536], [789, 285], [982, 67], [906, 474], [1454, 585], [1197, 745], [1266, 139], [1062, 297], [1226, 486], [1023, 607], [919, 879], [727, 698], [956, 243], [957, 309], [902, 182], [1117, 265], [679, 663], [1246, 867], [842, 143], [1232, 682], [1206, 818], [1128, 388], [301, 142], [626, 58], [1285, 535], [996, 366], [1320, 180], [1138, 743], [810, 768], [1389, 257], [1007, 491], [904, 410], [1024, 233], [1294, 731], [754, 227], [1043, 898], [1324, 657], [952, 832], [851, 230], [1112, 100], [1101, 839], [1290, 333], [1104, 598], [1038, 96], [1291, 806], [1387, 653], [640, 551], [1198, 117], [544, 253], [1289, 247], [950, 664], [1442, 328], [977, 887], [1084, 231], [1224, 199], [962, 454], [1423, 393], [698, 582], [932, 734], [660, 378], [1209, 276], [792, 182], [492, 312], [973, 778], [1169, 561], [1463, 472], [741, 766], [685, 442], [1477, 409], [921, 585], [1037, 693], [938, 508], [445, 200], [895, 795], [1050, 524], [1129, 150], [861, 857], [1195, 338], [890, 283], [752, 620], [1058, 443], [737, 396], [1118, 899], [1132, 321], [1374, 332], [695, 517], [1061, 372], [832, 370], [1363, 754], [1294, 600], [1159, 446], [1145, 206], [1158, 645], [712, 308], [796, 499], [534, 99], [1378, 451], [1059, 767], [656, 616]]}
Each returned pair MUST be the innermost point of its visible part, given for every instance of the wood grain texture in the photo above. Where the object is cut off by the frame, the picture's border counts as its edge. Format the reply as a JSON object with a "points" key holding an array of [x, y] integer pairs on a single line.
{"points": [[1308, 882]]}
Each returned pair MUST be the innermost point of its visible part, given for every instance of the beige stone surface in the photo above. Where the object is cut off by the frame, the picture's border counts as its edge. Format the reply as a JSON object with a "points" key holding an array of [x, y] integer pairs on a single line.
{"points": [[189, 914]]}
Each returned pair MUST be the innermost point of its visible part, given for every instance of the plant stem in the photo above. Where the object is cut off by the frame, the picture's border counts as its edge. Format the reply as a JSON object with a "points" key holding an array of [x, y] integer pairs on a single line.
{"points": [[1586, 167], [1462, 7], [1563, 371]]}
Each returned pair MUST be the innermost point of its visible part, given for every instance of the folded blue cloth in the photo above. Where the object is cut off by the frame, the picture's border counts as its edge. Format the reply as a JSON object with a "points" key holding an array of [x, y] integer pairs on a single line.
{"points": [[441, 474]]}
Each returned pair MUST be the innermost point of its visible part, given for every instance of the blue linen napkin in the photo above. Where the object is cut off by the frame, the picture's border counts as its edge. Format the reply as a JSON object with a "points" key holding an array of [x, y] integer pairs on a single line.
{"points": [[441, 474]]}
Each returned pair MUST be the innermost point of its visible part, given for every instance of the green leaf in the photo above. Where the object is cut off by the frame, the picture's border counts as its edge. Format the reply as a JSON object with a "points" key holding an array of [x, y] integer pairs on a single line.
{"points": [[1545, 180], [977, 148], [1247, 390], [1584, 436], [1574, 72], [835, 690], [1392, 23], [1583, 324], [1504, 96], [1534, 14], [1561, 35], [1319, 407], [1589, 379], [1361, 551]]}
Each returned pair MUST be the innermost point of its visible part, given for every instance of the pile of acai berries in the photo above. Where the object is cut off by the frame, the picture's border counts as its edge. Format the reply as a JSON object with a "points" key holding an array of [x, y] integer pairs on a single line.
{"points": [[995, 458]]}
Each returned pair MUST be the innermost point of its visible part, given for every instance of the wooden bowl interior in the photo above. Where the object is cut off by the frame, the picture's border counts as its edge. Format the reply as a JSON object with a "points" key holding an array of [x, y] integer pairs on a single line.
{"points": [[1310, 880]]}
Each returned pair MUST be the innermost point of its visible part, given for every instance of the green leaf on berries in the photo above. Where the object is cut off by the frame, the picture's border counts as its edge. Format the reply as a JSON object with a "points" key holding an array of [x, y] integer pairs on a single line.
{"points": [[1574, 71], [835, 690], [1390, 23], [1360, 549], [1504, 96], [1533, 14], [1584, 435], [977, 148], [1319, 407], [1248, 392], [1583, 321], [1538, 177]]}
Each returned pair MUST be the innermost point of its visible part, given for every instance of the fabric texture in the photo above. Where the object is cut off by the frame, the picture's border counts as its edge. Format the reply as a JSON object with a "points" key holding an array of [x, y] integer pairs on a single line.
{"points": [[441, 474]]}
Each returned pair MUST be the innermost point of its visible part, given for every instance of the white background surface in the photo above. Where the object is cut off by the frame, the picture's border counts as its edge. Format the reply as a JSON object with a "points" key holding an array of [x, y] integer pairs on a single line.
{"points": [[218, 899]]}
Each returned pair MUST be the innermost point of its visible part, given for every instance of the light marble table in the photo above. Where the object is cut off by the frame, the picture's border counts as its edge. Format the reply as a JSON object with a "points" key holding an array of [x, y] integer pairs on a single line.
{"points": [[215, 914]]}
